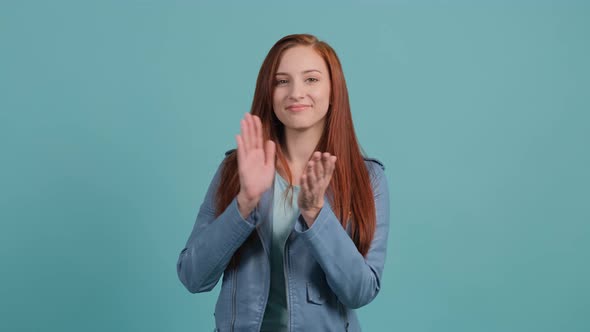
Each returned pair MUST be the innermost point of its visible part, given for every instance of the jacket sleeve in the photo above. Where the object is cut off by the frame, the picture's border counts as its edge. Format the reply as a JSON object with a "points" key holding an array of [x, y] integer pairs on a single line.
{"points": [[212, 242], [354, 279]]}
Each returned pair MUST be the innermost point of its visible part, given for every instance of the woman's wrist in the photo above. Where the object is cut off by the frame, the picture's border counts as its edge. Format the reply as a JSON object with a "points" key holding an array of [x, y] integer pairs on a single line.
{"points": [[246, 205], [310, 215]]}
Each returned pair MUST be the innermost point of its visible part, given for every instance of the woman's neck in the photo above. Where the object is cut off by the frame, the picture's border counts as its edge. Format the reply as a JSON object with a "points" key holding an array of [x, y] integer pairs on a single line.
{"points": [[300, 145]]}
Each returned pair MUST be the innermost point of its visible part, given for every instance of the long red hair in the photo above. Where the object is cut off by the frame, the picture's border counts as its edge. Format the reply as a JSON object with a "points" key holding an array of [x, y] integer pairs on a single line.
{"points": [[355, 206]]}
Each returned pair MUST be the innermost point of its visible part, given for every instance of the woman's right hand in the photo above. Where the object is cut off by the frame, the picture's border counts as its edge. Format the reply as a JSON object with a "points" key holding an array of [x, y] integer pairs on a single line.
{"points": [[256, 163]]}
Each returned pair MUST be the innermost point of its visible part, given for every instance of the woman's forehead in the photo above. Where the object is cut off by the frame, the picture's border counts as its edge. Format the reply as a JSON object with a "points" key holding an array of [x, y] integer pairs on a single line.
{"points": [[300, 59]]}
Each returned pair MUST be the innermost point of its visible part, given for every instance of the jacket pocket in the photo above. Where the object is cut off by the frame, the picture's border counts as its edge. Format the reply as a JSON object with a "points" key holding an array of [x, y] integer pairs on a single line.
{"points": [[314, 295]]}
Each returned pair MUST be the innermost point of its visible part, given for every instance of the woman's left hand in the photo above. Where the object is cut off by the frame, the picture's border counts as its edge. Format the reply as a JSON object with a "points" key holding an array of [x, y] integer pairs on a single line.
{"points": [[314, 182]]}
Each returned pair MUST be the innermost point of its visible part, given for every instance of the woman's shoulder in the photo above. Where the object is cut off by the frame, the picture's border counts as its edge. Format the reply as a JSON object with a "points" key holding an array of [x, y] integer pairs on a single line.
{"points": [[373, 162], [376, 170], [228, 152]]}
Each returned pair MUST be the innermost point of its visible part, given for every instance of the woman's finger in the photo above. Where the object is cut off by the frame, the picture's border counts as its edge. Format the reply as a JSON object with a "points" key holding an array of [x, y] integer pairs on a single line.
{"points": [[311, 177], [326, 156], [270, 152], [245, 134], [304, 191], [241, 152], [252, 131], [319, 169], [258, 131], [330, 166]]}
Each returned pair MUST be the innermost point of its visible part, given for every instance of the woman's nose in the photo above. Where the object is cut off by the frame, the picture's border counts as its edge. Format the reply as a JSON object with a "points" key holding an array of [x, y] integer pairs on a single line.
{"points": [[297, 91]]}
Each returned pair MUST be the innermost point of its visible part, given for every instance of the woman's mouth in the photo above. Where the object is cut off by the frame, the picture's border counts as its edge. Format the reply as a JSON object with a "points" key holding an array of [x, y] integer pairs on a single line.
{"points": [[297, 107]]}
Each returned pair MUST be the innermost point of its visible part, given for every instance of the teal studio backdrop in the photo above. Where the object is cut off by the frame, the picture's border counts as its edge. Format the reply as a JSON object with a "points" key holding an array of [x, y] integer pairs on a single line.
{"points": [[114, 116]]}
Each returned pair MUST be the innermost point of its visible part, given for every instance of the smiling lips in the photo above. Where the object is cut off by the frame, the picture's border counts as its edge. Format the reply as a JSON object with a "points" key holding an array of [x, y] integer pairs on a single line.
{"points": [[297, 107]]}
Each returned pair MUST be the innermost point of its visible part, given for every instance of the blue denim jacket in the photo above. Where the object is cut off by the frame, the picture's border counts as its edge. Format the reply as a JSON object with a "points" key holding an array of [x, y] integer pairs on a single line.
{"points": [[325, 275]]}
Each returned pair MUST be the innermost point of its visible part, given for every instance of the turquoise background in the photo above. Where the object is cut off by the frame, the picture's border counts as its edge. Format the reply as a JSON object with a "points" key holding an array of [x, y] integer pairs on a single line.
{"points": [[115, 114]]}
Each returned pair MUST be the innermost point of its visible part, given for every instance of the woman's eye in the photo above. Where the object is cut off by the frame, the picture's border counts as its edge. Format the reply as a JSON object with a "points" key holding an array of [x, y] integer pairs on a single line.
{"points": [[312, 79], [280, 82]]}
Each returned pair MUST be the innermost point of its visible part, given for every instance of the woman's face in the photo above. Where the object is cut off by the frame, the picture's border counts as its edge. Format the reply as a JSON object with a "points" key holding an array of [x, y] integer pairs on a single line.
{"points": [[302, 89]]}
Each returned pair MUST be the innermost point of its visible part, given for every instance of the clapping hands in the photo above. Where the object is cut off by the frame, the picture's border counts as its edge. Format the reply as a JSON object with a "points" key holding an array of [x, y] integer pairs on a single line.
{"points": [[256, 168]]}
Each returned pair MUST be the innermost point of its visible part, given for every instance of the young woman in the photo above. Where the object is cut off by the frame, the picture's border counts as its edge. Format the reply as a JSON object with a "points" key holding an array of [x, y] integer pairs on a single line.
{"points": [[296, 219]]}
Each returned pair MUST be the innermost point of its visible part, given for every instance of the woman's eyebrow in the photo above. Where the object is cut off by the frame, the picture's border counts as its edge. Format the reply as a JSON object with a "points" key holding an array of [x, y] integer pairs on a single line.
{"points": [[303, 72]]}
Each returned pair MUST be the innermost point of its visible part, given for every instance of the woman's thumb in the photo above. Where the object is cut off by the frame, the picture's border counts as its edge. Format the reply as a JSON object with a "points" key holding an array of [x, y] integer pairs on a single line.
{"points": [[270, 151]]}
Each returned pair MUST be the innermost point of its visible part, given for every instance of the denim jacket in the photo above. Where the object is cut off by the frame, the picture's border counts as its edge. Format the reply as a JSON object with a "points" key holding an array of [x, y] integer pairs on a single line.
{"points": [[326, 277]]}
